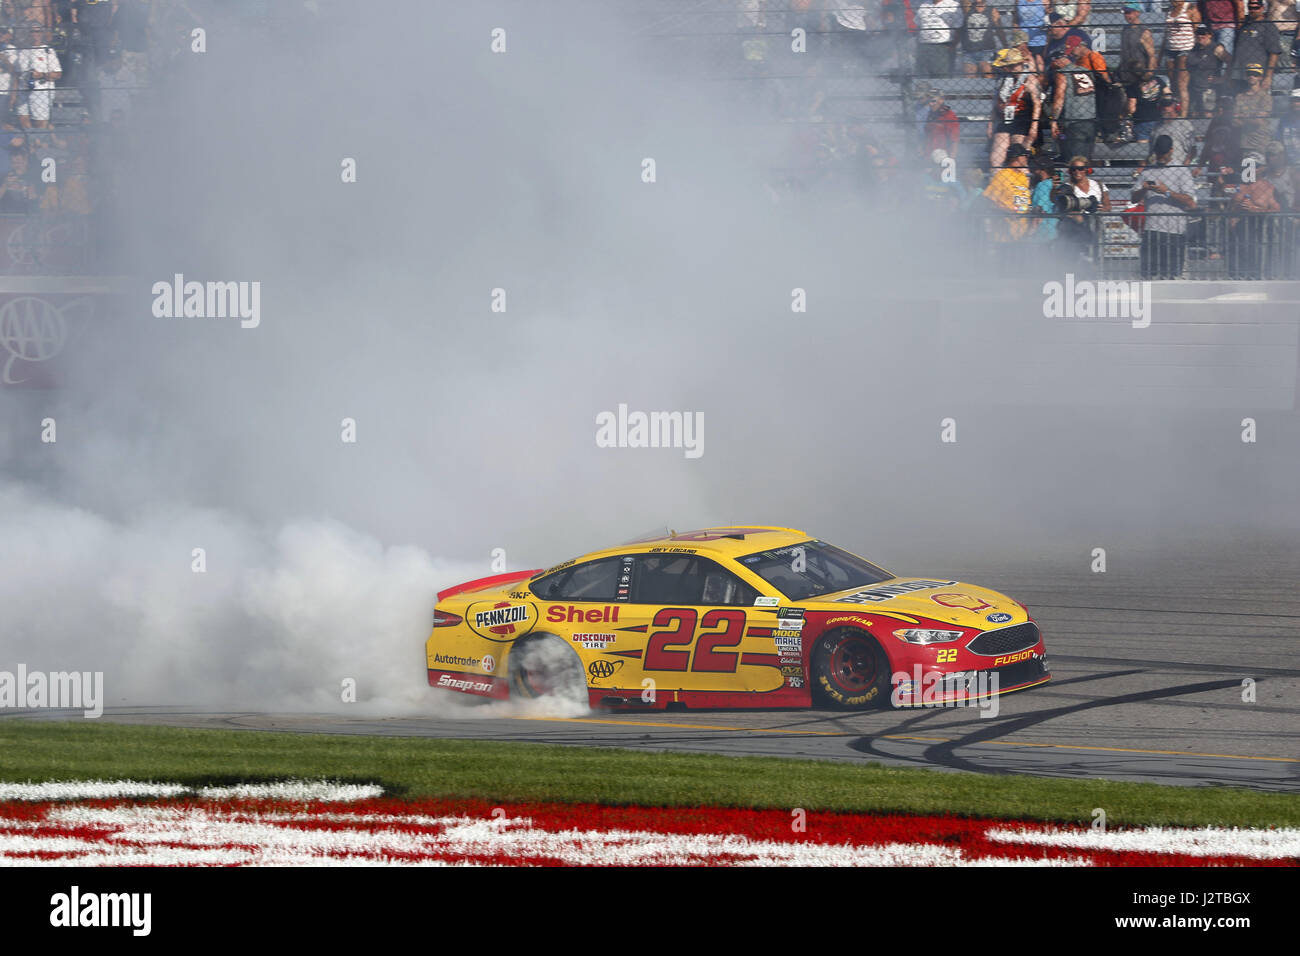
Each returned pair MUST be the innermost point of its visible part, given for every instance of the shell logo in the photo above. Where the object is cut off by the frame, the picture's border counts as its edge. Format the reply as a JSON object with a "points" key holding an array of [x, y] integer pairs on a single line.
{"points": [[957, 599]]}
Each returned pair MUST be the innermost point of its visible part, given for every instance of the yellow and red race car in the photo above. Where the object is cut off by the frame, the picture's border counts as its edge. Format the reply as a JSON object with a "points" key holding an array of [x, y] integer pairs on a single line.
{"points": [[731, 617]]}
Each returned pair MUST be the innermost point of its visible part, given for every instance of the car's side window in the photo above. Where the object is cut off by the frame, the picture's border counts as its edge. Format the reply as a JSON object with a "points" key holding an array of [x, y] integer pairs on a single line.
{"points": [[592, 581], [687, 579]]}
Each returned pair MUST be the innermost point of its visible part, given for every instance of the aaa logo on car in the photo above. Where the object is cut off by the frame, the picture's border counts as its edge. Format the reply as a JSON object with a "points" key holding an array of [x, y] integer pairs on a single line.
{"points": [[957, 599], [501, 620]]}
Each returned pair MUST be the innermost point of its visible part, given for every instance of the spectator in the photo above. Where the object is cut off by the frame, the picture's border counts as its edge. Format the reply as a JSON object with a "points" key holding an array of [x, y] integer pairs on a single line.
{"points": [[116, 83], [1137, 48], [1254, 110], [1283, 15], [1031, 16], [1058, 32], [8, 74], [1283, 179], [1180, 38], [1009, 192], [940, 188], [1288, 129], [1137, 60], [95, 18], [1176, 128], [72, 195], [1079, 229], [1144, 106], [937, 21], [1222, 16], [1017, 107], [1221, 151], [1074, 99], [1041, 200], [979, 38], [131, 22], [1250, 225], [18, 189], [1169, 194], [1075, 12], [1205, 65], [942, 127], [1257, 42], [1020, 42], [40, 64]]}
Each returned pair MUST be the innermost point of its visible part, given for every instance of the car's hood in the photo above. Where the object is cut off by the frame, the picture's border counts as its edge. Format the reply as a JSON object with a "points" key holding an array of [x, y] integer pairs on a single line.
{"points": [[937, 599]]}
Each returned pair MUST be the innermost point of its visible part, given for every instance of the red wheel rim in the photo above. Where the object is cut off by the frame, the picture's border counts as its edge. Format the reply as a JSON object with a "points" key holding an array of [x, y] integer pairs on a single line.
{"points": [[854, 665]]}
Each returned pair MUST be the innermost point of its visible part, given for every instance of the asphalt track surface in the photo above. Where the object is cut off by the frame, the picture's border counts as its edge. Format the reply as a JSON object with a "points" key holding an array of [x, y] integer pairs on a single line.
{"points": [[1148, 668]]}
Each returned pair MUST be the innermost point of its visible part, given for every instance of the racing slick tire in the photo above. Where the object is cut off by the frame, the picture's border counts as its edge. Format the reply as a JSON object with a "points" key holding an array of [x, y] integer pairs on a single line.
{"points": [[849, 670], [543, 665]]}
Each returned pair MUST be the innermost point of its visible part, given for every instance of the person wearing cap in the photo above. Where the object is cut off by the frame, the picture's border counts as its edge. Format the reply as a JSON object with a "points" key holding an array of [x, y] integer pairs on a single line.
{"points": [[1144, 98], [1254, 110], [1010, 194], [1031, 16], [1137, 48], [1074, 99], [1258, 43], [1168, 194], [1180, 38], [1137, 59], [1173, 125], [1288, 129], [1017, 106], [1252, 227], [937, 22], [980, 38], [1205, 65], [1041, 174]]}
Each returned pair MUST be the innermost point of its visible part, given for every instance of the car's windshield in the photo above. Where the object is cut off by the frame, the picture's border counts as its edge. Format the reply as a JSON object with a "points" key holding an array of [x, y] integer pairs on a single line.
{"points": [[806, 570]]}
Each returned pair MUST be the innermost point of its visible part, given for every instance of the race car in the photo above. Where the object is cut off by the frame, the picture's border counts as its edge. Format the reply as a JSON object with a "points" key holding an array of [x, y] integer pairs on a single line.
{"points": [[731, 617]]}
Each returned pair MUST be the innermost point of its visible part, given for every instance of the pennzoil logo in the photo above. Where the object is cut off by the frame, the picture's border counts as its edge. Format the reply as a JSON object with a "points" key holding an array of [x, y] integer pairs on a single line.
{"points": [[501, 620], [887, 592]]}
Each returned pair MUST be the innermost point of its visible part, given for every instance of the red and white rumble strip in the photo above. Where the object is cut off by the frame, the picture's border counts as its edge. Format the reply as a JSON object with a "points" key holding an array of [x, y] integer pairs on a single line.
{"points": [[322, 824]]}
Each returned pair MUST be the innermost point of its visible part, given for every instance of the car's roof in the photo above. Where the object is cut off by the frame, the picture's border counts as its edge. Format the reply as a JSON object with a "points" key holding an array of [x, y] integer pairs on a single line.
{"points": [[726, 542]]}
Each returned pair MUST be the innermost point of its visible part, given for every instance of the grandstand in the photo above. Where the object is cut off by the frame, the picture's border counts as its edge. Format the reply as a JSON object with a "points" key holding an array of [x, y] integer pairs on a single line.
{"points": [[837, 77]]}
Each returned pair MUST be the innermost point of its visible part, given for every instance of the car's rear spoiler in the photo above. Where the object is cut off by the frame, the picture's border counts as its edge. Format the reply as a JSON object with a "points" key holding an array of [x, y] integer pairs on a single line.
{"points": [[495, 580]]}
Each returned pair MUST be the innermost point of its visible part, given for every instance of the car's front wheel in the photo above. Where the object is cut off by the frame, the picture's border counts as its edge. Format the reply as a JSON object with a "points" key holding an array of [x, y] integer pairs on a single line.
{"points": [[849, 670], [545, 666]]}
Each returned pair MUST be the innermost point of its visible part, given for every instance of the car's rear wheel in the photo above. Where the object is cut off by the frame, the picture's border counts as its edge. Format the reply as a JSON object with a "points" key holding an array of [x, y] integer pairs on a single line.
{"points": [[545, 666], [849, 670]]}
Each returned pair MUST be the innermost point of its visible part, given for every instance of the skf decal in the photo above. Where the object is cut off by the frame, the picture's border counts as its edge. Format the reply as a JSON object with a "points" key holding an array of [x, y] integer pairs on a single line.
{"points": [[501, 620], [957, 599], [888, 592], [1012, 658], [568, 614]]}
